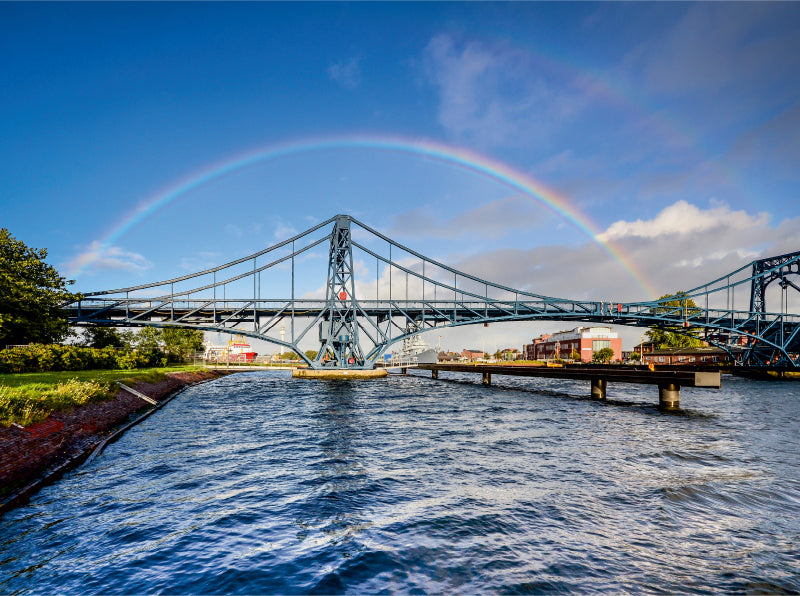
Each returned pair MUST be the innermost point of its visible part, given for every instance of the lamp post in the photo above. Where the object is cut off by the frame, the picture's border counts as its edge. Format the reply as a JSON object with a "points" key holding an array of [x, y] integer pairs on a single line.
{"points": [[641, 349]]}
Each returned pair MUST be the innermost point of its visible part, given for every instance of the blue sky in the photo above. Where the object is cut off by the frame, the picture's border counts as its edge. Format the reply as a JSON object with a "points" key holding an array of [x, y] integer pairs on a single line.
{"points": [[674, 128]]}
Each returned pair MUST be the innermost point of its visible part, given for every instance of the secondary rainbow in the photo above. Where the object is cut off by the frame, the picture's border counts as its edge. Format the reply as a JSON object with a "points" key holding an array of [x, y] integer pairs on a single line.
{"points": [[452, 156]]}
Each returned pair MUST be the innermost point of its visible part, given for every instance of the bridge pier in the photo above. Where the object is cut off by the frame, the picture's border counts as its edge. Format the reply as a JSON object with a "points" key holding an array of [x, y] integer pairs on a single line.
{"points": [[338, 373], [487, 378], [669, 395], [599, 387]]}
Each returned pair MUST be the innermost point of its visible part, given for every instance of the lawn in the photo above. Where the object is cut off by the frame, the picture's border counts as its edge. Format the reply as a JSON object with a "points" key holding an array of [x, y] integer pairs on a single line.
{"points": [[27, 398]]}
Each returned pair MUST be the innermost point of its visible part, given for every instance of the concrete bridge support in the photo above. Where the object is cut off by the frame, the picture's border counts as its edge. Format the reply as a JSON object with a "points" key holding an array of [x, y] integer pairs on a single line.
{"points": [[338, 373], [669, 395], [599, 388]]}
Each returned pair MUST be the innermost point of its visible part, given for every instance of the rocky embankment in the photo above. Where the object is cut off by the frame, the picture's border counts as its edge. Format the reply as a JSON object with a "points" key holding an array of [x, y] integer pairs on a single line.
{"points": [[32, 456]]}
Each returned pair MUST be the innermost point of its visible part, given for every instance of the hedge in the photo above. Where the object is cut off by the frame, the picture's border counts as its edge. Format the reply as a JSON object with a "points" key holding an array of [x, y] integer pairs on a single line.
{"points": [[44, 358]]}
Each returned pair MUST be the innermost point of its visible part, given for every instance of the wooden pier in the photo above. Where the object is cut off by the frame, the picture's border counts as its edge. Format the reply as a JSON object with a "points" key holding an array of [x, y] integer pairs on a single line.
{"points": [[669, 381]]}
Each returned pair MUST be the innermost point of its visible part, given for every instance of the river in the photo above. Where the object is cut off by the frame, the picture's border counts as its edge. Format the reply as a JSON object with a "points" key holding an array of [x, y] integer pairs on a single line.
{"points": [[258, 483]]}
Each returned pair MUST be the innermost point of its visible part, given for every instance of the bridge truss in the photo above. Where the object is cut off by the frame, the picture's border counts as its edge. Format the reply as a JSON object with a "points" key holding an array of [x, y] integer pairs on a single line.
{"points": [[275, 295]]}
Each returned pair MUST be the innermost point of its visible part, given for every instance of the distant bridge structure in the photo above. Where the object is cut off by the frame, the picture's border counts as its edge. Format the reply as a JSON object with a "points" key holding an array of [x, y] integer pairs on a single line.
{"points": [[356, 320]]}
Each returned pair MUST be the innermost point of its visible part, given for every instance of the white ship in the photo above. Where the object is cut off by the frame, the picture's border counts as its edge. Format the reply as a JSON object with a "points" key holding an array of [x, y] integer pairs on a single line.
{"points": [[415, 351]]}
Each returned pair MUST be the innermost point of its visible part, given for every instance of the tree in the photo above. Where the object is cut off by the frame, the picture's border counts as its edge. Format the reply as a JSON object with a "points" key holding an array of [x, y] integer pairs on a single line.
{"points": [[32, 294], [128, 338], [311, 354], [575, 355], [603, 355], [179, 342], [102, 337], [149, 340], [675, 336]]}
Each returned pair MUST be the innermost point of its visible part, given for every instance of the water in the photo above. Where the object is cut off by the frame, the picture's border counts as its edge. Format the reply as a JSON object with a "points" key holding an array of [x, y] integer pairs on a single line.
{"points": [[258, 483]]}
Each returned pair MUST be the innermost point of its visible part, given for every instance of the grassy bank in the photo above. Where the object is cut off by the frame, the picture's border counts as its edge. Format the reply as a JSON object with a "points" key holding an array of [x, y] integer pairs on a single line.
{"points": [[27, 398]]}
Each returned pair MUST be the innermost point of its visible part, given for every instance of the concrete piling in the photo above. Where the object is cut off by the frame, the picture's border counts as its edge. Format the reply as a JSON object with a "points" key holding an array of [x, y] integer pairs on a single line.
{"points": [[599, 388], [669, 395]]}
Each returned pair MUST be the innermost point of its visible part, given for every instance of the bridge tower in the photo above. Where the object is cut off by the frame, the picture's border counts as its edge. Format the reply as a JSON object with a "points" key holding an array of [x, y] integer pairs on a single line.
{"points": [[765, 271], [338, 331], [774, 349]]}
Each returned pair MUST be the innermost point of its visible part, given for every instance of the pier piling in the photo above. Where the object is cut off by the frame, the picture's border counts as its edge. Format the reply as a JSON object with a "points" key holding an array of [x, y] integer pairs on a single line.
{"points": [[599, 387], [669, 395]]}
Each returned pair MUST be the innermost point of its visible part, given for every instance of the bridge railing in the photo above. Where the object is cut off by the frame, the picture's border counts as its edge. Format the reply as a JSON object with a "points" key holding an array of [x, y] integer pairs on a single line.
{"points": [[523, 307]]}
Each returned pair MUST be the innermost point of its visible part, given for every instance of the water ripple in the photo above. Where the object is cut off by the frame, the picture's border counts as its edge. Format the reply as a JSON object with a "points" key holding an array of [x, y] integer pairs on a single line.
{"points": [[259, 483]]}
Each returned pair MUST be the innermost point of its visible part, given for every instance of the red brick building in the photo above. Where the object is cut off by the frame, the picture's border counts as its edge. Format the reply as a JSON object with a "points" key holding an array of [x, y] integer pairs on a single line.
{"points": [[585, 340], [530, 350], [472, 355]]}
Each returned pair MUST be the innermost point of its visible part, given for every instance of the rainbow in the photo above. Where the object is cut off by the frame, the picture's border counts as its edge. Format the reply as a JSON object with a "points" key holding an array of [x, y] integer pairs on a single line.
{"points": [[452, 156]]}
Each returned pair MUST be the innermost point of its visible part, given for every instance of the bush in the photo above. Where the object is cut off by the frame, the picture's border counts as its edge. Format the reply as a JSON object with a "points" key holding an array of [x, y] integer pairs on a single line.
{"points": [[71, 359], [136, 359], [55, 357]]}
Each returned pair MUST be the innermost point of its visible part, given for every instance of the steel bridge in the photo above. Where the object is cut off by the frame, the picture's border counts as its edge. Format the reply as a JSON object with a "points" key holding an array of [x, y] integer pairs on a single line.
{"points": [[355, 319]]}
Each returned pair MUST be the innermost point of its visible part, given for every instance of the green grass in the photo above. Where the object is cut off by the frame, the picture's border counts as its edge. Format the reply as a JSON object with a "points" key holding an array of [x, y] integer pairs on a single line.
{"points": [[27, 398], [32, 403]]}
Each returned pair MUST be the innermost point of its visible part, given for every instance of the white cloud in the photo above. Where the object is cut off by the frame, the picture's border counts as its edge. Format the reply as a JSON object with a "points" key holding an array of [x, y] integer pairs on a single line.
{"points": [[284, 231], [718, 255], [720, 242], [495, 96], [494, 219], [346, 72], [668, 262], [683, 218], [201, 260], [114, 258], [233, 230], [683, 246], [775, 143], [728, 52]]}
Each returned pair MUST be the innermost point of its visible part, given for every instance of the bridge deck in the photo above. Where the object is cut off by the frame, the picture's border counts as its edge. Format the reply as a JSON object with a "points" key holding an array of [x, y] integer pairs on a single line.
{"points": [[669, 381], [617, 374]]}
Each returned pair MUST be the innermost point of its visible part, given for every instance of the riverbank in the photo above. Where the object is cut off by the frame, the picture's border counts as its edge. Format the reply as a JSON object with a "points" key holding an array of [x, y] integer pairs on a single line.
{"points": [[35, 455]]}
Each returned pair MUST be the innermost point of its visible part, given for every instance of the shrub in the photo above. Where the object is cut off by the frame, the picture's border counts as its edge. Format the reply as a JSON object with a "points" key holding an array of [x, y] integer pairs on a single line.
{"points": [[44, 358]]}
